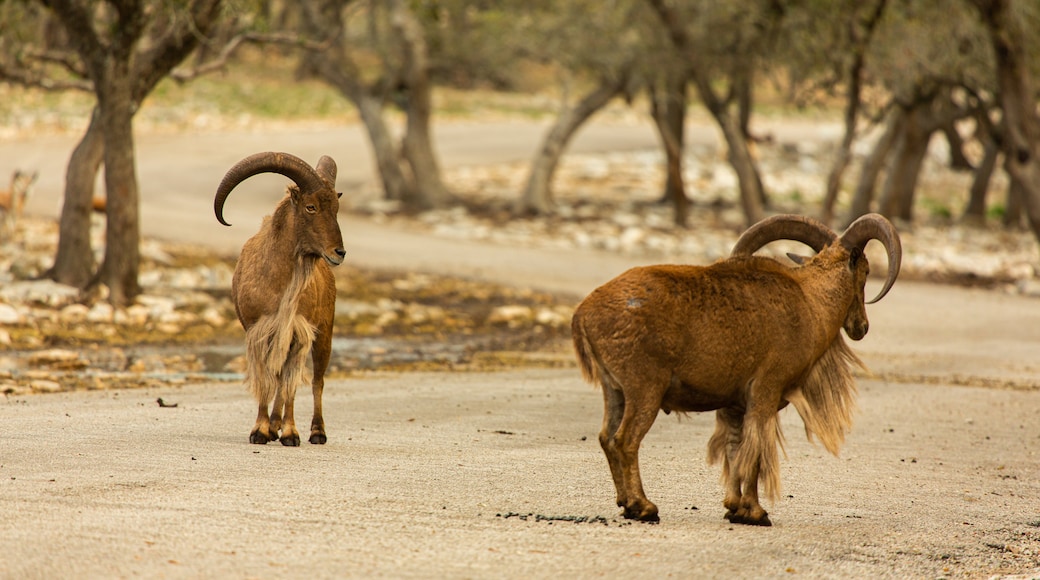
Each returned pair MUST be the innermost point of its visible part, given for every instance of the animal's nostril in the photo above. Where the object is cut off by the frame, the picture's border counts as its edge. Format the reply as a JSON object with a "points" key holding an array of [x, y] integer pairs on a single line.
{"points": [[341, 252]]}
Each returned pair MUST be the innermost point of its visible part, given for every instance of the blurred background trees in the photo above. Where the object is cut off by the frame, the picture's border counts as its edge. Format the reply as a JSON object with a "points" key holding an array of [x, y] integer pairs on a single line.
{"points": [[899, 74]]}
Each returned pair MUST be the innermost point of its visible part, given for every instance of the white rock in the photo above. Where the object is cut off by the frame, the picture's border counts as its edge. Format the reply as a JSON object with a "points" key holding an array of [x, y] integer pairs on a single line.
{"points": [[213, 317], [9, 314], [74, 313], [45, 386], [550, 317], [46, 292], [101, 312], [510, 314]]}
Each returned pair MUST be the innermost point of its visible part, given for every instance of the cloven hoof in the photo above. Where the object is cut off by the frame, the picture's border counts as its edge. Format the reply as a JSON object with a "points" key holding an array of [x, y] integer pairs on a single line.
{"points": [[258, 438], [318, 438], [650, 518], [291, 440], [735, 518]]}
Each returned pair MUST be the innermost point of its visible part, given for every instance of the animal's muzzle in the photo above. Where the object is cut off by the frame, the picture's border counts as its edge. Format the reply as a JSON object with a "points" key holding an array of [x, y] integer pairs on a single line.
{"points": [[337, 258]]}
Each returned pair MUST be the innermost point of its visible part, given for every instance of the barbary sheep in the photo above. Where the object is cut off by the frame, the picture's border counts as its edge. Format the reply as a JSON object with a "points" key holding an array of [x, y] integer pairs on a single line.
{"points": [[284, 290], [744, 337]]}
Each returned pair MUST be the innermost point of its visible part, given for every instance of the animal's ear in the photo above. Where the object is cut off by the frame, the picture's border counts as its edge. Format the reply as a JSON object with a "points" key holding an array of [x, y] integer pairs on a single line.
{"points": [[855, 255], [797, 259], [294, 194]]}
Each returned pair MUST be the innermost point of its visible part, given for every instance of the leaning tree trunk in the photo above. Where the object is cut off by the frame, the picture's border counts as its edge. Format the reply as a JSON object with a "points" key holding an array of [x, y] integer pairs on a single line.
{"points": [[739, 156], [844, 153], [907, 160], [752, 193], [863, 197], [958, 161], [120, 267], [1022, 143], [74, 260], [860, 42], [975, 212], [396, 184], [537, 195]]}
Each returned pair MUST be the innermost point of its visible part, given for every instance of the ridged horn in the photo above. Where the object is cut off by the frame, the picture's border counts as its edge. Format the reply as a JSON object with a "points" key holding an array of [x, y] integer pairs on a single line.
{"points": [[799, 228], [326, 168], [291, 166], [874, 226]]}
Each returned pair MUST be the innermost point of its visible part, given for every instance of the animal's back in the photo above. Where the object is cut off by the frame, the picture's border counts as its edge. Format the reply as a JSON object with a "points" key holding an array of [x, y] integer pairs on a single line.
{"points": [[687, 317]]}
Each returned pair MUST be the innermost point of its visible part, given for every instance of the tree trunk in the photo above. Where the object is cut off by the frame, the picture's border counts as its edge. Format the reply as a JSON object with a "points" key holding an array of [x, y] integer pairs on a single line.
{"points": [[396, 184], [958, 161], [863, 197], [975, 212], [852, 106], [417, 145], [120, 267], [74, 261], [1022, 143], [907, 159], [537, 195], [752, 193], [669, 113], [1014, 214], [739, 156]]}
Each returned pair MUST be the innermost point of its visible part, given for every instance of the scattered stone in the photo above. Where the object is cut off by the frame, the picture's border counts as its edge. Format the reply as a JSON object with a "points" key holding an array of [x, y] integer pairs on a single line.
{"points": [[511, 314], [58, 359], [9, 314], [45, 386], [43, 292], [74, 314]]}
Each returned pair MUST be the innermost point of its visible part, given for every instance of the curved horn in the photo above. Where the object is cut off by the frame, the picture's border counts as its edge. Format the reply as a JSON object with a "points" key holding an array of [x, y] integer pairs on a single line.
{"points": [[784, 227], [285, 164], [874, 226], [326, 168]]}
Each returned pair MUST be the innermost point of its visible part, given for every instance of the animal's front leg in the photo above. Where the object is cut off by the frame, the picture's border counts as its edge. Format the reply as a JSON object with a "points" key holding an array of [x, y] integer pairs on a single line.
{"points": [[261, 432], [320, 355], [757, 456], [290, 436], [277, 410]]}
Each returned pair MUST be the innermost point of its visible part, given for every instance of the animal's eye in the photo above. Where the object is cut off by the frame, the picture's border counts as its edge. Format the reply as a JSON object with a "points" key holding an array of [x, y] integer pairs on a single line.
{"points": [[311, 208]]}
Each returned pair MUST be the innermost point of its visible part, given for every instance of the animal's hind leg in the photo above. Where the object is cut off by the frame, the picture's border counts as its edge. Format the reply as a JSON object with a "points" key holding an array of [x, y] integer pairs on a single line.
{"points": [[289, 378], [729, 424], [638, 417], [613, 409]]}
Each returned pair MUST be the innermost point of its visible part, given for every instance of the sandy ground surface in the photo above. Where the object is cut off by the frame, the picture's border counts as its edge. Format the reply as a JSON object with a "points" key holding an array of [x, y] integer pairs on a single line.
{"points": [[435, 475]]}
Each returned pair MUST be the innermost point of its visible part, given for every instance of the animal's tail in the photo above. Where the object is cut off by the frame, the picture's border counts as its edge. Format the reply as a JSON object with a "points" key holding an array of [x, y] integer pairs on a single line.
{"points": [[583, 350]]}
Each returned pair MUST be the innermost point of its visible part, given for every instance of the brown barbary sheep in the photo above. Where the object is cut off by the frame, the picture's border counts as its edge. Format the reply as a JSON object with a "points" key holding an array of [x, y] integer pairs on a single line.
{"points": [[743, 337], [284, 290]]}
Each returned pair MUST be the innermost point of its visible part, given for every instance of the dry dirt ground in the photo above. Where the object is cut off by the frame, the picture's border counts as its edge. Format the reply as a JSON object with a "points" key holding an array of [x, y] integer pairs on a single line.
{"points": [[496, 475]]}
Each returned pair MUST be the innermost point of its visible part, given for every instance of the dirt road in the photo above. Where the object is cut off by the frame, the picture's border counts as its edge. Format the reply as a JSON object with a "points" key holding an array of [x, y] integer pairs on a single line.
{"points": [[435, 475], [446, 475]]}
